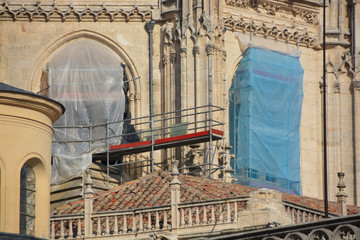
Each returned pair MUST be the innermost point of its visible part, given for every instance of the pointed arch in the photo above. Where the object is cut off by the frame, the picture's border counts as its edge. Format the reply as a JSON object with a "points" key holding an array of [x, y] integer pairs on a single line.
{"points": [[130, 70]]}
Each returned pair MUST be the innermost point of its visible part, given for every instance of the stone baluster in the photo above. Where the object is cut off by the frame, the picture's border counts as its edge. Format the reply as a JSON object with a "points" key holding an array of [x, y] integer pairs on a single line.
{"points": [[341, 195], [292, 216], [197, 216], [235, 212], [212, 214], [228, 217], [52, 230], [182, 221], [221, 217], [124, 224], [165, 220], [62, 234], [190, 217], [98, 231], [107, 226], [116, 228], [79, 228], [149, 221], [141, 227], [133, 228], [309, 217], [88, 200], [175, 195], [298, 216], [205, 221], [157, 223], [71, 233], [303, 217]]}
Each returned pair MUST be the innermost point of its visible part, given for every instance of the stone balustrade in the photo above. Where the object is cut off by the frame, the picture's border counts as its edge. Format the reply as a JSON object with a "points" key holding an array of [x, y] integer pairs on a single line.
{"points": [[222, 213], [262, 208], [300, 214]]}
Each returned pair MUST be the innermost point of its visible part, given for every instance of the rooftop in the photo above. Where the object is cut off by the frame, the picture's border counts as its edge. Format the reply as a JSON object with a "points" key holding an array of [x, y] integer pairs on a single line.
{"points": [[10, 89], [154, 190]]}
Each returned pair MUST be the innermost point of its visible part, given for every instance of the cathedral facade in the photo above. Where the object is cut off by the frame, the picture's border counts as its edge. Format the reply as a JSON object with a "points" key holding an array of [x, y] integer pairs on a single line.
{"points": [[183, 55]]}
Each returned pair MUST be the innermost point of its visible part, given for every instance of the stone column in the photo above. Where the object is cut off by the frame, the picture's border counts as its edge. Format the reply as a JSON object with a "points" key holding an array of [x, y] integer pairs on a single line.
{"points": [[175, 195], [88, 199], [356, 120], [335, 159], [196, 53], [184, 87], [341, 196], [356, 33], [210, 50]]}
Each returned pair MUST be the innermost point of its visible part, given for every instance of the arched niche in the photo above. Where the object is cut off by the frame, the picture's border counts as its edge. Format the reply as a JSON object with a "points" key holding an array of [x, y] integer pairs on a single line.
{"points": [[33, 166], [130, 69]]}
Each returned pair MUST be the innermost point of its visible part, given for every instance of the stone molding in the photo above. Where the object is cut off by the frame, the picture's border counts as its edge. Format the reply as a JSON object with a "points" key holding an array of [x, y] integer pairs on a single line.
{"points": [[278, 8], [272, 30], [336, 87], [183, 52], [71, 12], [345, 66], [196, 50], [356, 84], [173, 58], [210, 49]]}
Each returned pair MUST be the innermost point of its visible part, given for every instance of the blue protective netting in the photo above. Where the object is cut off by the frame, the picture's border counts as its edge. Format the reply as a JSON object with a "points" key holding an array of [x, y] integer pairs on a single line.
{"points": [[265, 111]]}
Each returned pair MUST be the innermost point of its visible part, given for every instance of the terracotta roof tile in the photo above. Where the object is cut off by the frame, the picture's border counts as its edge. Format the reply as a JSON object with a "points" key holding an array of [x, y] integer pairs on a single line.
{"points": [[154, 190]]}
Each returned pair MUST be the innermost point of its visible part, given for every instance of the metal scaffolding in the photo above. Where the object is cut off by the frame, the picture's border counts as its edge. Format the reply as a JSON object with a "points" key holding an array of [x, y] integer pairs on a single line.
{"points": [[167, 130]]}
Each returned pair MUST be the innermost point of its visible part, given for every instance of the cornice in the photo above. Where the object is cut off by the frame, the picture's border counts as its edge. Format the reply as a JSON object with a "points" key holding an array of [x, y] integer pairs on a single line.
{"points": [[300, 12], [74, 12], [272, 30]]}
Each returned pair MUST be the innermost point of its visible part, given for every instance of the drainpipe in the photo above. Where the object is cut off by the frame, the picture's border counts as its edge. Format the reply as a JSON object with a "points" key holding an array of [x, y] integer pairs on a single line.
{"points": [[150, 27], [356, 97], [324, 114]]}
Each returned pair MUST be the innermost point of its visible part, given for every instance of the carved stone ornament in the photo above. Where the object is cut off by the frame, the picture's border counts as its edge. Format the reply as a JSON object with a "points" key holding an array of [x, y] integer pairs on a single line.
{"points": [[164, 59], [356, 84], [173, 58], [131, 97], [347, 231], [271, 9], [268, 7], [336, 87], [183, 51], [210, 49], [321, 86], [296, 236], [270, 30], [321, 233], [70, 12], [196, 50], [242, 3], [137, 96]]}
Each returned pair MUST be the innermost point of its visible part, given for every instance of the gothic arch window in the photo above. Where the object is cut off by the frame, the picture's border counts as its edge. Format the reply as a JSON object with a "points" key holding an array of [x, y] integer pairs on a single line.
{"points": [[264, 120], [87, 77], [27, 200]]}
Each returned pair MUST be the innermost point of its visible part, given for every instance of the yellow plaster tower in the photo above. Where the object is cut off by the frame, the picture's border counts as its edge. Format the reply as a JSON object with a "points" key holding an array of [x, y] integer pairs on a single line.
{"points": [[25, 160]]}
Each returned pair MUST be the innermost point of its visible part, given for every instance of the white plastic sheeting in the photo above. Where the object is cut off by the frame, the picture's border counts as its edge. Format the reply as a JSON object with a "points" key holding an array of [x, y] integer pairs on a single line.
{"points": [[87, 78]]}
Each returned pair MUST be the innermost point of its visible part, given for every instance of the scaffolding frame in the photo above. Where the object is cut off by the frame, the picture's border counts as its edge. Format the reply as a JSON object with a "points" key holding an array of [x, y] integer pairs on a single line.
{"points": [[204, 128]]}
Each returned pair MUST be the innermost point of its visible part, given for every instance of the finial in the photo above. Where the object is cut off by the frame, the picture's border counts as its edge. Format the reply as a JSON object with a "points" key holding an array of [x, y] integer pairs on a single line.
{"points": [[341, 195], [175, 164], [88, 183]]}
